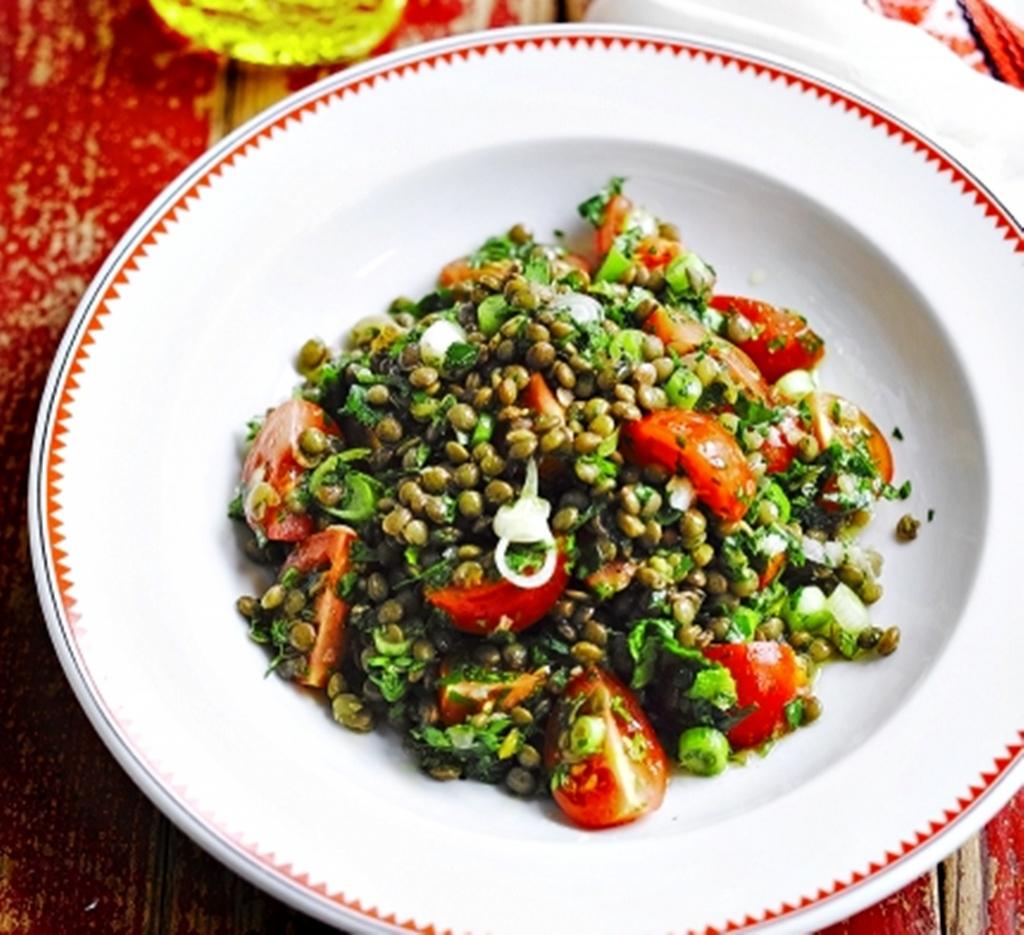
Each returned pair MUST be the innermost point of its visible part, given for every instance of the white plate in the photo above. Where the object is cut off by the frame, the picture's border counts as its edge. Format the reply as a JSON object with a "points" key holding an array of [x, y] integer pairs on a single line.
{"points": [[359, 188]]}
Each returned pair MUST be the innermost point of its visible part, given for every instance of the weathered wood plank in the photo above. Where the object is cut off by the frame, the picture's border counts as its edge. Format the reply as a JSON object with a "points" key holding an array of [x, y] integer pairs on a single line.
{"points": [[1002, 854], [98, 110], [914, 910], [963, 890]]}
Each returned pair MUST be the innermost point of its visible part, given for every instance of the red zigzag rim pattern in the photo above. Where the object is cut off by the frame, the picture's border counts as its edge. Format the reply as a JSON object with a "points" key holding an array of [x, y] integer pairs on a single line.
{"points": [[60, 561]]}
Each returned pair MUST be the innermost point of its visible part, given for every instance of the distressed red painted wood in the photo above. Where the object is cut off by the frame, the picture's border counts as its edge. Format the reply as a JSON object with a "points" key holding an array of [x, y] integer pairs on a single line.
{"points": [[99, 109]]}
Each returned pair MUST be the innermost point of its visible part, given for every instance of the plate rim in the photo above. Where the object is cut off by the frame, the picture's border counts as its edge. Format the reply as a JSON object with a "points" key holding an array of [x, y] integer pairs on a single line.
{"points": [[840, 898]]}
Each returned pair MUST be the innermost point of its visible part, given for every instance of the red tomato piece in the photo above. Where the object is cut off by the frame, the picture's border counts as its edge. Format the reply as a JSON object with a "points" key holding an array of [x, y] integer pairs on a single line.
{"points": [[328, 549], [457, 271], [777, 449], [275, 460], [772, 568], [610, 769], [767, 678], [783, 341], [500, 605], [837, 420], [615, 214], [611, 578], [460, 698], [684, 335], [657, 252], [539, 397], [696, 444]]}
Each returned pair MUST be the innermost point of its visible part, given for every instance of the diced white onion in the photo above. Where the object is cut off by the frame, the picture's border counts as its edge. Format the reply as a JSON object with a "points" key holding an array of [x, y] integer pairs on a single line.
{"points": [[436, 340], [642, 220], [795, 385], [534, 580], [834, 552], [680, 493], [813, 550], [582, 309], [791, 431], [831, 553], [773, 544]]}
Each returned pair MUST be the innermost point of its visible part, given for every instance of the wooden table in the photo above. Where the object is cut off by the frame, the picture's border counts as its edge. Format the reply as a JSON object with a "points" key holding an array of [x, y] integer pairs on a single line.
{"points": [[98, 111]]}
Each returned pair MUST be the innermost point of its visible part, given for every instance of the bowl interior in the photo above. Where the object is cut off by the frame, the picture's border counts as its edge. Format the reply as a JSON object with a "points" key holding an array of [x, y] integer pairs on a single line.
{"points": [[886, 352]]}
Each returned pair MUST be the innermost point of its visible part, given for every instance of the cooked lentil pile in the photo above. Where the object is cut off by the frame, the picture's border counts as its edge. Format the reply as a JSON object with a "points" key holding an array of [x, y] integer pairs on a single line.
{"points": [[557, 517]]}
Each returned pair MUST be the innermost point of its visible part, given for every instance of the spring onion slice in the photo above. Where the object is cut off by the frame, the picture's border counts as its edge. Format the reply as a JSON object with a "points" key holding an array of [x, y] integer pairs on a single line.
{"points": [[526, 520], [582, 309]]}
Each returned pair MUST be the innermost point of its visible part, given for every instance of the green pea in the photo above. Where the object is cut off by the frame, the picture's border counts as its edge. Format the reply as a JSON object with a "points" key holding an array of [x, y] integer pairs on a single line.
{"points": [[703, 751], [683, 389], [628, 343]]}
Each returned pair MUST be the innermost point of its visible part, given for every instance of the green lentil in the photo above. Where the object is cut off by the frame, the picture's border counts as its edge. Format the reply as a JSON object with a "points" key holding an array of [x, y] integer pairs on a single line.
{"points": [[889, 642], [471, 504]]}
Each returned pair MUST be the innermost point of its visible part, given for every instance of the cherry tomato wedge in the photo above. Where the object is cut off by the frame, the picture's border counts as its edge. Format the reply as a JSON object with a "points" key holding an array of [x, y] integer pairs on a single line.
{"points": [[538, 396], [697, 445], [461, 696], [838, 420], [615, 214], [273, 467], [328, 550], [767, 678], [684, 335], [782, 340], [681, 333], [740, 367], [607, 766], [500, 605]]}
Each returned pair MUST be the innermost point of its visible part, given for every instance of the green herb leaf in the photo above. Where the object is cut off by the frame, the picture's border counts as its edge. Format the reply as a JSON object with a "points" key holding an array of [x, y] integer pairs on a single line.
{"points": [[593, 208], [236, 505], [524, 558], [714, 685], [492, 250], [460, 356], [795, 712], [649, 635], [357, 406], [537, 269]]}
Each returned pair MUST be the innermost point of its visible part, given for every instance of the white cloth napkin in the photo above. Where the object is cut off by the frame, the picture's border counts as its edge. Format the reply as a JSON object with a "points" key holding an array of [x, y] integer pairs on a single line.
{"points": [[979, 120]]}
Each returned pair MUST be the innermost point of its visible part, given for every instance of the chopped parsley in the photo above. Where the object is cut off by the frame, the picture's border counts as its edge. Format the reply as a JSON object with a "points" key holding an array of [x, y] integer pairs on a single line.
{"points": [[593, 208], [460, 356], [524, 558], [357, 406]]}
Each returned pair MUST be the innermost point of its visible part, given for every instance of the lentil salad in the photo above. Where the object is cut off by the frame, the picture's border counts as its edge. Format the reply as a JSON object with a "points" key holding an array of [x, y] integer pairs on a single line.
{"points": [[559, 516]]}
